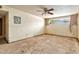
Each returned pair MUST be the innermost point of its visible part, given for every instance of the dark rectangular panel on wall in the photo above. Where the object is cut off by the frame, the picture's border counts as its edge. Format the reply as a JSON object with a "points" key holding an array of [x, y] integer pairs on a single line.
{"points": [[0, 26]]}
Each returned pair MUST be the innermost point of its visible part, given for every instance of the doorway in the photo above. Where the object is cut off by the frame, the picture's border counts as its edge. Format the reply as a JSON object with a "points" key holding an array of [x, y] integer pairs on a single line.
{"points": [[3, 27], [0, 26]]}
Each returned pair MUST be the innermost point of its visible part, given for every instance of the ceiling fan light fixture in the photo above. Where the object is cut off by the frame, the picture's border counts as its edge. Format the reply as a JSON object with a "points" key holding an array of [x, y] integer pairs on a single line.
{"points": [[47, 11]]}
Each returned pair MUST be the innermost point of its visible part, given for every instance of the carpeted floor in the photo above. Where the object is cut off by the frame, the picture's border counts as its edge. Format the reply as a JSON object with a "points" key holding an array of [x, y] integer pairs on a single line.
{"points": [[2, 41], [43, 44]]}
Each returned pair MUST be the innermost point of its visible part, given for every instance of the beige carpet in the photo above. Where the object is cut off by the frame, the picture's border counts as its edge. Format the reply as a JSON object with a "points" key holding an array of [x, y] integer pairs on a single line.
{"points": [[2, 41], [42, 44]]}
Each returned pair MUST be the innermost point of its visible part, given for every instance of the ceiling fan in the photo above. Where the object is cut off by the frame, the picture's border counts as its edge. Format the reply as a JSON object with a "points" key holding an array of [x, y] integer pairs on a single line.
{"points": [[47, 11]]}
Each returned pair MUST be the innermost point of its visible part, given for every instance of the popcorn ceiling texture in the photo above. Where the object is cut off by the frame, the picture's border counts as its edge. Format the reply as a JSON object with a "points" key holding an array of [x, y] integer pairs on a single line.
{"points": [[42, 44]]}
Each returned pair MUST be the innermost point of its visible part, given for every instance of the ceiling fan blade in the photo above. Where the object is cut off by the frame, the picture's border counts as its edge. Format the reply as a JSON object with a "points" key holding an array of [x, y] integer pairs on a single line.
{"points": [[51, 9], [50, 13]]}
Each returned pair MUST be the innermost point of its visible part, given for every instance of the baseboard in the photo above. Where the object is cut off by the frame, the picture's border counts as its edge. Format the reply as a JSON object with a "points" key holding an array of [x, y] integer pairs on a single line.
{"points": [[25, 38], [45, 34], [60, 35]]}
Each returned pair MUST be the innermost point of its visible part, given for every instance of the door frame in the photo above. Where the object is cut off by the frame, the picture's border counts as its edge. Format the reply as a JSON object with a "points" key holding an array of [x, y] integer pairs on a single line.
{"points": [[5, 25]]}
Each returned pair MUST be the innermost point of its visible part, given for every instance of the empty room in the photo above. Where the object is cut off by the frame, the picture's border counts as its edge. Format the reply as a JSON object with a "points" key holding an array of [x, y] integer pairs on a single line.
{"points": [[39, 29]]}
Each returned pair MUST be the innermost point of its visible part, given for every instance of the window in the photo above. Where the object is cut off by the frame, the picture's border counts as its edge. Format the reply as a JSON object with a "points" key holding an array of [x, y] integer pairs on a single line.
{"points": [[60, 20]]}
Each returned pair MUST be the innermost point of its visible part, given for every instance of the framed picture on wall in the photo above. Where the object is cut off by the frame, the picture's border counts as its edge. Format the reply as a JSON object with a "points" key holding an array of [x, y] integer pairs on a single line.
{"points": [[17, 20]]}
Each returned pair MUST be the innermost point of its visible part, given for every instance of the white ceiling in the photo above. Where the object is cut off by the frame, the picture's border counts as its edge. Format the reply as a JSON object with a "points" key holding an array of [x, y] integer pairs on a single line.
{"points": [[58, 9]]}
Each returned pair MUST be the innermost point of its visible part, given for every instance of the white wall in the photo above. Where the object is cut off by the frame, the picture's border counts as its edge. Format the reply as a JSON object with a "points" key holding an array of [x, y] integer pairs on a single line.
{"points": [[62, 29], [31, 25]]}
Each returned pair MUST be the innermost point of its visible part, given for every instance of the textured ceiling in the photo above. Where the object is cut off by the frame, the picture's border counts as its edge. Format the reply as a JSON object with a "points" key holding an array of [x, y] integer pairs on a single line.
{"points": [[58, 9]]}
